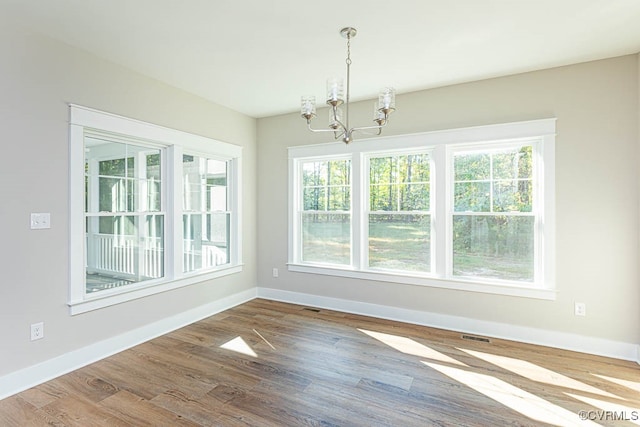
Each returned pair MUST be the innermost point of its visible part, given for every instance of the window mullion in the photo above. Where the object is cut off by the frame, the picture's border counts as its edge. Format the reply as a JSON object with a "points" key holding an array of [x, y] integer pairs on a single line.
{"points": [[173, 190], [441, 219], [234, 186], [358, 223]]}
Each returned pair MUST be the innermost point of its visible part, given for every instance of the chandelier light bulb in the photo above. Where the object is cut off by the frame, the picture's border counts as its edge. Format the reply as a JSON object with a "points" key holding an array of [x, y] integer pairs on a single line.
{"points": [[308, 107], [335, 91], [387, 99]]}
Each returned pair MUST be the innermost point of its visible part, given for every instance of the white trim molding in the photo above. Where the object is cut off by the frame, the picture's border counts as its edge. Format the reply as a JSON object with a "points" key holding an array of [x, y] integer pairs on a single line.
{"points": [[31, 376], [89, 125], [524, 334]]}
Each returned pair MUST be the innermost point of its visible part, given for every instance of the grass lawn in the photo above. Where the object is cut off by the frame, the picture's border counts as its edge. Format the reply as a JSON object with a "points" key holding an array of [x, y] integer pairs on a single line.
{"points": [[404, 246]]}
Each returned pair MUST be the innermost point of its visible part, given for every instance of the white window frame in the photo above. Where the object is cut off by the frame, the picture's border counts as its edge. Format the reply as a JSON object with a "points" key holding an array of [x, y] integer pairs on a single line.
{"points": [[440, 144], [85, 121]]}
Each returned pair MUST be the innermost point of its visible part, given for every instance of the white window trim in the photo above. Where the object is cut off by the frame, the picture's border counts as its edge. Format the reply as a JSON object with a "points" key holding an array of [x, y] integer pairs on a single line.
{"points": [[438, 141], [173, 141]]}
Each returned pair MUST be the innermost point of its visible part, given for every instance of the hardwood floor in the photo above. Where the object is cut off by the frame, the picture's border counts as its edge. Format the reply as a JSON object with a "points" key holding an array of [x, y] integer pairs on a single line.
{"points": [[265, 363]]}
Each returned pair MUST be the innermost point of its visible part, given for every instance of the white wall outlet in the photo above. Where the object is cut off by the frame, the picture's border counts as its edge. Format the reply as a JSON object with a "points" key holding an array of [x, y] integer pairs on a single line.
{"points": [[40, 221], [580, 309], [37, 331], [275, 272]]}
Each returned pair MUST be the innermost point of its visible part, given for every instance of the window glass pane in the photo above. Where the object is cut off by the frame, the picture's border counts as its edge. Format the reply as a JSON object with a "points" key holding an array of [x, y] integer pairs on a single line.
{"points": [[115, 195], [505, 186], [499, 247], [326, 238], [414, 197], [472, 166], [339, 198], [192, 172], [314, 174], [216, 181], [513, 164], [414, 168], [326, 185], [399, 183], [151, 187], [123, 250], [205, 184], [512, 196], [472, 196], [153, 166], [382, 170], [314, 199], [383, 197], [206, 240], [400, 242], [339, 172], [121, 177]]}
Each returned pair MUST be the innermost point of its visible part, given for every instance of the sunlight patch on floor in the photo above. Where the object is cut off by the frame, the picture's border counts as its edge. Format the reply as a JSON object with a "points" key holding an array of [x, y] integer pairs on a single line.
{"points": [[537, 373], [609, 411], [633, 385], [513, 397], [239, 346], [409, 346]]}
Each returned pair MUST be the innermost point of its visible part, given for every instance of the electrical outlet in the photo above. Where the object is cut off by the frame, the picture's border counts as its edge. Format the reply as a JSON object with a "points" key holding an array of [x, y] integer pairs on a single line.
{"points": [[37, 331], [275, 272], [580, 309]]}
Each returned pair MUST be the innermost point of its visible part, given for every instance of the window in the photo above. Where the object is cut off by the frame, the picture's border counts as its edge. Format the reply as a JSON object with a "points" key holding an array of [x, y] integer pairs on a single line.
{"points": [[469, 209], [124, 215], [494, 220], [206, 219], [152, 209], [325, 216], [399, 220]]}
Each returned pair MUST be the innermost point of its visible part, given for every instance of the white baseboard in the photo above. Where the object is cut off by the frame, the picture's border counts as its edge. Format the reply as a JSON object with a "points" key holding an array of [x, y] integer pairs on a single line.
{"points": [[26, 378], [561, 340], [31, 376]]}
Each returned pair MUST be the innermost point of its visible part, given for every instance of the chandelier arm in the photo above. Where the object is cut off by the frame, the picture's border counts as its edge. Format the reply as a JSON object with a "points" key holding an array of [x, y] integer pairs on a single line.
{"points": [[321, 130], [367, 132], [380, 126]]}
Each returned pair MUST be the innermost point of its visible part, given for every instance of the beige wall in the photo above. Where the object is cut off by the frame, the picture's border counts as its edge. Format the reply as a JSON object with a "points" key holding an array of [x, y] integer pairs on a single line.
{"points": [[38, 77], [597, 194], [596, 105]]}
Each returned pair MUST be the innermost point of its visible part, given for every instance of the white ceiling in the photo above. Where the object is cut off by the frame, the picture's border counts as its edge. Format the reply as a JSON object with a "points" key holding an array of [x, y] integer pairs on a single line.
{"points": [[259, 56]]}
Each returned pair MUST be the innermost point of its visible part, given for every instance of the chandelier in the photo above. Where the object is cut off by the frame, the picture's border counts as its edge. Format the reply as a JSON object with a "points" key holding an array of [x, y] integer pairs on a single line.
{"points": [[339, 122]]}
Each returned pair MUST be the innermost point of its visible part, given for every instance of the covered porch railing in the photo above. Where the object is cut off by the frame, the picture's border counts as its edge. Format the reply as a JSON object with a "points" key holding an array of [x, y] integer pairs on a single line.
{"points": [[143, 259]]}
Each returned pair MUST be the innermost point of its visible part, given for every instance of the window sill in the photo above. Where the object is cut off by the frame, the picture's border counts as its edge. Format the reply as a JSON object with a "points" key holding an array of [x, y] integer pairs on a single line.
{"points": [[496, 288], [97, 301]]}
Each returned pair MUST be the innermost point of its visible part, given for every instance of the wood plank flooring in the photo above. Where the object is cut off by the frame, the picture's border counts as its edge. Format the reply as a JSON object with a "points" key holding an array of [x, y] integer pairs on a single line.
{"points": [[266, 363]]}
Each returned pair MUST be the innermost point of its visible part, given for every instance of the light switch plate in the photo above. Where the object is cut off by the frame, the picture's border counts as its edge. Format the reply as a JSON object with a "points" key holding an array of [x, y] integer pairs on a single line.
{"points": [[40, 221]]}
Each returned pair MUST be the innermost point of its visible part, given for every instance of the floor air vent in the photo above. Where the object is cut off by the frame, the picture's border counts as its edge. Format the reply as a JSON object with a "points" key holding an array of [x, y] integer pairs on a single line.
{"points": [[315, 310], [474, 338]]}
